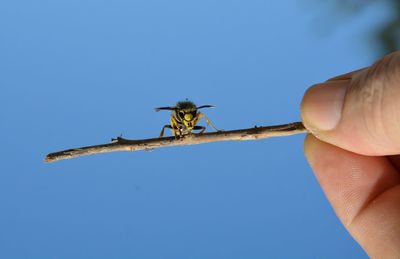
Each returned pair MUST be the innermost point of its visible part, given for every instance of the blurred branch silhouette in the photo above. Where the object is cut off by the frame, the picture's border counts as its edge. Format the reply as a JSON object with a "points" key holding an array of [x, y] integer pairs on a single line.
{"points": [[388, 34]]}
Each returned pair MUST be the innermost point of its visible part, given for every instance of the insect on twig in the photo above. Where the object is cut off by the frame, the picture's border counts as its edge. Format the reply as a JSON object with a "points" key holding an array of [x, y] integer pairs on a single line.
{"points": [[183, 121], [184, 117]]}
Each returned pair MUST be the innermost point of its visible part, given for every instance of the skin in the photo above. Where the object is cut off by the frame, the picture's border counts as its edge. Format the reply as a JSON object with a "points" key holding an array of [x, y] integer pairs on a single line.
{"points": [[354, 151]]}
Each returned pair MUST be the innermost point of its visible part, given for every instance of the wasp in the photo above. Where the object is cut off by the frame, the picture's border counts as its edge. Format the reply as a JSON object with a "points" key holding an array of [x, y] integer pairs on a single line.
{"points": [[184, 117]]}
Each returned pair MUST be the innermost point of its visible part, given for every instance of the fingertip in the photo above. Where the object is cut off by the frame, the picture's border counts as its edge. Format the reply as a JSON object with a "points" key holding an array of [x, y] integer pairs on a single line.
{"points": [[315, 150], [357, 111], [321, 106], [308, 147]]}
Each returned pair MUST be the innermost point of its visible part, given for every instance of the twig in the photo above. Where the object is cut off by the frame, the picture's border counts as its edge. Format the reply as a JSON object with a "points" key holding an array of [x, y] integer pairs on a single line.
{"points": [[121, 144]]}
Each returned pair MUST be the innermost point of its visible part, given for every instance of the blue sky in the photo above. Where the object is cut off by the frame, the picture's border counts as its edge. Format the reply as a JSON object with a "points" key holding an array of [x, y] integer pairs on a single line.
{"points": [[77, 73]]}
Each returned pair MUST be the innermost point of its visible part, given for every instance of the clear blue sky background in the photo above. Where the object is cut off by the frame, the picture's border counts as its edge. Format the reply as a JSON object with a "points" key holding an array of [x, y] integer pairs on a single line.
{"points": [[76, 73]]}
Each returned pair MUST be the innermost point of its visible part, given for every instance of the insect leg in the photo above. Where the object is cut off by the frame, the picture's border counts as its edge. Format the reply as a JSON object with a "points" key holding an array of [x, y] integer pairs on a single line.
{"points": [[208, 121], [176, 132], [163, 128], [201, 128]]}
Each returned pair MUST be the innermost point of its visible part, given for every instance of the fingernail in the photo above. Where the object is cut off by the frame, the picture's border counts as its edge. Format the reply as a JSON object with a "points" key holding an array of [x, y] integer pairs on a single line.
{"points": [[321, 107]]}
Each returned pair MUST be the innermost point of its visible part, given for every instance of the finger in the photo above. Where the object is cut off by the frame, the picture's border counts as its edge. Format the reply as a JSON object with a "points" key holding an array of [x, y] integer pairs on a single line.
{"points": [[346, 76], [395, 160], [364, 192], [360, 111]]}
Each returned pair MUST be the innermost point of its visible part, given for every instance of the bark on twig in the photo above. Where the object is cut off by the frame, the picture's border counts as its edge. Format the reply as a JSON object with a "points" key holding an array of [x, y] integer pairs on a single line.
{"points": [[121, 144]]}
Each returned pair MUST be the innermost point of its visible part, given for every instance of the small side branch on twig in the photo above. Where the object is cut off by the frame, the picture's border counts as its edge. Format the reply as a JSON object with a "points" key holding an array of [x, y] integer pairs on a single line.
{"points": [[121, 144]]}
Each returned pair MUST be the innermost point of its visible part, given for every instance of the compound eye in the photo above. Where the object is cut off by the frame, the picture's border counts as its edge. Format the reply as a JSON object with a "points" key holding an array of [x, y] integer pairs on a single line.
{"points": [[181, 115]]}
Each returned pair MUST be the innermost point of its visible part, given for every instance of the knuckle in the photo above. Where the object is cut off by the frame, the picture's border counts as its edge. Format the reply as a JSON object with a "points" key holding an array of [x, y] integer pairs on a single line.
{"points": [[376, 93]]}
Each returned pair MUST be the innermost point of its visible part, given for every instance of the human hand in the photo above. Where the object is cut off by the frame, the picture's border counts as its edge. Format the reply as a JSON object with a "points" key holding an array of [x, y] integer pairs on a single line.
{"points": [[356, 152]]}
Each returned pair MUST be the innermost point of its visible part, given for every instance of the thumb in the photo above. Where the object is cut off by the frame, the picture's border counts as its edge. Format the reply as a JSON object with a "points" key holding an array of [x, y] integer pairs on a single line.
{"points": [[358, 111]]}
